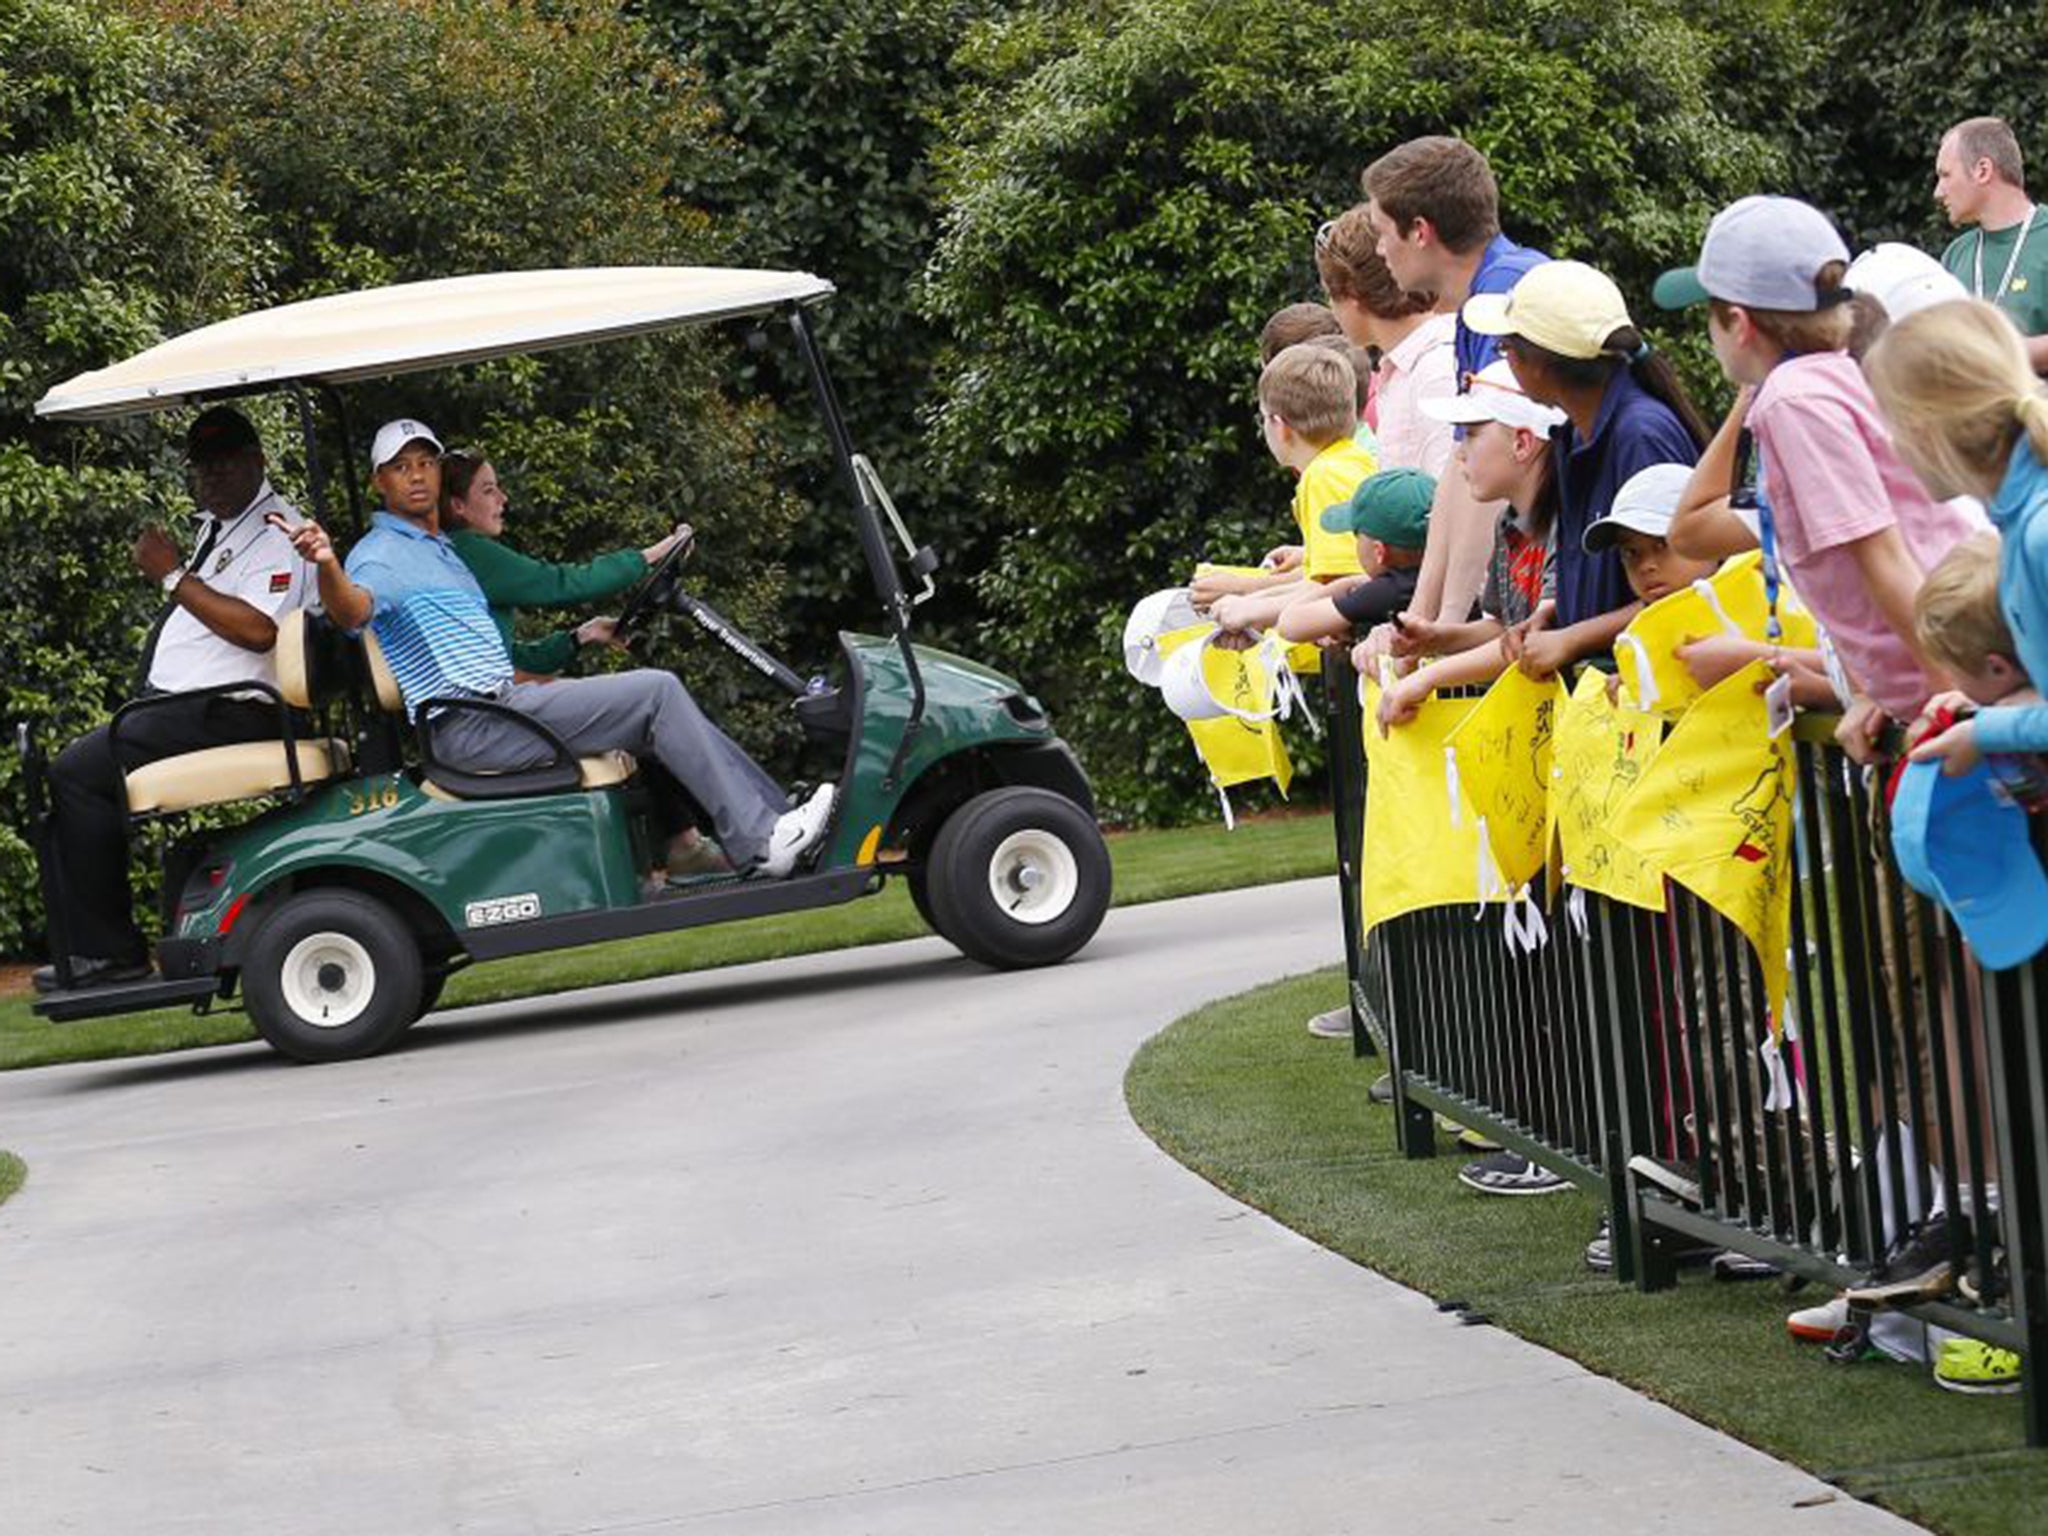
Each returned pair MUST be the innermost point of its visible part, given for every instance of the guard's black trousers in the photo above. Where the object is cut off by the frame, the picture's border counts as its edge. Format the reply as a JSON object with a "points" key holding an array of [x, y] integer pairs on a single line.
{"points": [[90, 831]]}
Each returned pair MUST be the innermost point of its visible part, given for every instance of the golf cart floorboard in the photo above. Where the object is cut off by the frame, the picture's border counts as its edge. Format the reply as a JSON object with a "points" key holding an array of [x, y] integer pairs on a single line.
{"points": [[723, 903], [130, 997]]}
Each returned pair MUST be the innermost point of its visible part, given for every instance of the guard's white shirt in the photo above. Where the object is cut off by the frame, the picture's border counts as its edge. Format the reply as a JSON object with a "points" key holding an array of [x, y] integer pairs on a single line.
{"points": [[251, 560]]}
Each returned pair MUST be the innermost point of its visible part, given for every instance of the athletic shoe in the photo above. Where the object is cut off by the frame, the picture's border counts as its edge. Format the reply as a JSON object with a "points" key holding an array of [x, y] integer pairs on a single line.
{"points": [[1971, 1284], [1920, 1267], [1819, 1324], [1510, 1173], [1600, 1251], [1334, 1025], [89, 971], [691, 853], [1382, 1089], [1668, 1176], [1730, 1265], [1472, 1141], [796, 833], [1971, 1365]]}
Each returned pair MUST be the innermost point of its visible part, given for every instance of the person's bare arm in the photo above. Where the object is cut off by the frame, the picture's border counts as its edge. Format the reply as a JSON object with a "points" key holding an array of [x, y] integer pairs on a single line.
{"points": [[1417, 636], [1481, 664], [347, 604], [239, 623], [1313, 616], [1546, 652], [1208, 589], [1455, 554], [1704, 528]]}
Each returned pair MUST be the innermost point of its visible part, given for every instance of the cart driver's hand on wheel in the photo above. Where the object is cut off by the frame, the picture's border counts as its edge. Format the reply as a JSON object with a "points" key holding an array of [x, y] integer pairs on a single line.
{"points": [[308, 538], [655, 553]]}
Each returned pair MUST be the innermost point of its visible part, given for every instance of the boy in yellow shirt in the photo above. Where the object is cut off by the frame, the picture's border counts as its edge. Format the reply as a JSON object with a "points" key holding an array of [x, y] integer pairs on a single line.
{"points": [[1308, 410]]}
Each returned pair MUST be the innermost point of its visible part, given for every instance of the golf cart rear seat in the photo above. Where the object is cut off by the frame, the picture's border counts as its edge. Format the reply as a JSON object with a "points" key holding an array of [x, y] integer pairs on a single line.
{"points": [[599, 771], [251, 769]]}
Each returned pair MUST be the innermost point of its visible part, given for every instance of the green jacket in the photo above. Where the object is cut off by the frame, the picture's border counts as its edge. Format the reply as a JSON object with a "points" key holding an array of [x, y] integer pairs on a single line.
{"points": [[512, 581]]}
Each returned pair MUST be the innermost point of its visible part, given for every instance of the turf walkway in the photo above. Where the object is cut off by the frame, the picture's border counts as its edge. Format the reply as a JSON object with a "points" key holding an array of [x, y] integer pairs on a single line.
{"points": [[1242, 1094]]}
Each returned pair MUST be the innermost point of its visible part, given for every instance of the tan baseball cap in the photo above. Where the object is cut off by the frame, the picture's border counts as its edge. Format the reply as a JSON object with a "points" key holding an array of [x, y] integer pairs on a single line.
{"points": [[1564, 307]]}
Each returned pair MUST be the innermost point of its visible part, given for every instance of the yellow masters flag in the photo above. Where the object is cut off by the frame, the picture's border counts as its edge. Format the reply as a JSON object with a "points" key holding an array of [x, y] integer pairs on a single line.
{"points": [[1713, 811], [1306, 657], [1599, 751], [1501, 752], [1732, 602], [1417, 852], [1235, 751]]}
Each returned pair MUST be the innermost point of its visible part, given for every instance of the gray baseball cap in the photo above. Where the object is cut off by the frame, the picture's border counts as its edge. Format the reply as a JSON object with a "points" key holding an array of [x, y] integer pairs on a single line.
{"points": [[1760, 252]]}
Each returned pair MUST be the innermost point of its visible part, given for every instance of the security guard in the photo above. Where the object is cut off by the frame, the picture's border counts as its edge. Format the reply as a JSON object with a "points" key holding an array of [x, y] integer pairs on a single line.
{"points": [[220, 626]]}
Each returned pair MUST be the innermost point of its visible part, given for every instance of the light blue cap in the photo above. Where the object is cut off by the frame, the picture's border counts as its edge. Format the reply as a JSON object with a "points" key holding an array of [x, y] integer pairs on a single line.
{"points": [[1960, 840]]}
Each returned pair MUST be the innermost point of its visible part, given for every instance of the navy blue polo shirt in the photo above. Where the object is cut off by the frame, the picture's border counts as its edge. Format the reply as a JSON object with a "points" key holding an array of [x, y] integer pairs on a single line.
{"points": [[1633, 431], [1499, 269]]}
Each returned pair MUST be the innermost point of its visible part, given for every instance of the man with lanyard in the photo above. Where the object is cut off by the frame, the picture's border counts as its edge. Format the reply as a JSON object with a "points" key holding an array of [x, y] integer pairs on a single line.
{"points": [[219, 626], [1435, 207], [1980, 178], [406, 580]]}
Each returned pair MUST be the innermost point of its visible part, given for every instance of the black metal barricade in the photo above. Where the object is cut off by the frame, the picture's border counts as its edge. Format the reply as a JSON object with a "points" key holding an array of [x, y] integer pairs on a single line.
{"points": [[1635, 1054]]}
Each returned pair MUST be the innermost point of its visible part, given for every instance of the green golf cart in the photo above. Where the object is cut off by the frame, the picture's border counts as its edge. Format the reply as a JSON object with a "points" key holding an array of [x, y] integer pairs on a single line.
{"points": [[375, 869]]}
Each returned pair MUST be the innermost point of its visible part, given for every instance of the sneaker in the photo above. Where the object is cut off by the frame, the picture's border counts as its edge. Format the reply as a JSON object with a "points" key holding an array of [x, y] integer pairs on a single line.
{"points": [[1382, 1089], [1921, 1266], [1730, 1265], [1600, 1251], [1971, 1365], [89, 971], [1510, 1173], [796, 833], [692, 853], [1668, 1176], [1334, 1025], [1971, 1283], [1819, 1324], [1472, 1141]]}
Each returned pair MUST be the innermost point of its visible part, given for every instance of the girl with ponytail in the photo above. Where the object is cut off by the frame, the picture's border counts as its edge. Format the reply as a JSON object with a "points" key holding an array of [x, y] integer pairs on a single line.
{"points": [[1970, 416]]}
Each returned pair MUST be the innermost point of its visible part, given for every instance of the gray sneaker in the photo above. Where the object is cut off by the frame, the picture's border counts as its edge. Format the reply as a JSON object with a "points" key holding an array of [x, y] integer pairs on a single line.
{"points": [[1334, 1025], [1510, 1173], [1382, 1089]]}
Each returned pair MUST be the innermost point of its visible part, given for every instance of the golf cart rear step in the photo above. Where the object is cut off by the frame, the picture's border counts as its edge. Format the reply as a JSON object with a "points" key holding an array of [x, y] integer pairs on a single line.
{"points": [[130, 997]]}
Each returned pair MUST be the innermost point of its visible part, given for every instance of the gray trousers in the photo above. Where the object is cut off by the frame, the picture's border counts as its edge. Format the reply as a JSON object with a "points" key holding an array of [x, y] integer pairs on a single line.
{"points": [[646, 713]]}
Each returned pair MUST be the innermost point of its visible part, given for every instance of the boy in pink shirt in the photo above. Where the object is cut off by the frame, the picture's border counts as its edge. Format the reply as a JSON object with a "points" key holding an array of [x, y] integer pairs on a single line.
{"points": [[1849, 524]]}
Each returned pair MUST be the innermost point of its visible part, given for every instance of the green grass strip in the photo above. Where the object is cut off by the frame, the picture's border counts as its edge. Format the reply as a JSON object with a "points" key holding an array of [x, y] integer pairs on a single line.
{"points": [[1150, 866], [13, 1173], [1242, 1094]]}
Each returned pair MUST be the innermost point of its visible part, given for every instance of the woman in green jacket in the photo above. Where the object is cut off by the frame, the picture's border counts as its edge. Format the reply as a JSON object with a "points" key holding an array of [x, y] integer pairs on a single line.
{"points": [[473, 517]]}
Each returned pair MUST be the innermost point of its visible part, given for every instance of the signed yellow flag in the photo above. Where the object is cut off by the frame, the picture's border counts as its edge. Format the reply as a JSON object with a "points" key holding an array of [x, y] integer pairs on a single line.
{"points": [[1599, 753], [1419, 852], [1713, 811], [1730, 602], [1235, 751], [1501, 753]]}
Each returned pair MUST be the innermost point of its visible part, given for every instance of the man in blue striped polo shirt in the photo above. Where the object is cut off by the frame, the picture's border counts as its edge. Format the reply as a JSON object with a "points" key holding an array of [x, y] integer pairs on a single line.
{"points": [[416, 593]]}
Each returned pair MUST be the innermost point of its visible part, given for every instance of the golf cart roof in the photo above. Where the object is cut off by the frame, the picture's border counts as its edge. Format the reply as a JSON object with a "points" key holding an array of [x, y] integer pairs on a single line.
{"points": [[409, 327]]}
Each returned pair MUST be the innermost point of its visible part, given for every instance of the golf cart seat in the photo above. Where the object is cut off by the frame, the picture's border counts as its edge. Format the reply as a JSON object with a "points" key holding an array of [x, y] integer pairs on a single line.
{"points": [[251, 769], [600, 770]]}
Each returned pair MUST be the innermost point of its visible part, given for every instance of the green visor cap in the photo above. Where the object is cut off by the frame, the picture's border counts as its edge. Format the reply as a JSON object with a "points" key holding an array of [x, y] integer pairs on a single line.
{"points": [[1391, 506], [1679, 288]]}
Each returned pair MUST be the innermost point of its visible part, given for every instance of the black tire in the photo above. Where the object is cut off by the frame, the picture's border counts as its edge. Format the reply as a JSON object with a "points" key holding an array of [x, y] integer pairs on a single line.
{"points": [[919, 878], [994, 843], [339, 951], [432, 980]]}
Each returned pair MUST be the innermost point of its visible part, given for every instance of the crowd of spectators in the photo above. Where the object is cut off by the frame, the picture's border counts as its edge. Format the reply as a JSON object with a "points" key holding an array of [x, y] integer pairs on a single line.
{"points": [[1496, 468]]}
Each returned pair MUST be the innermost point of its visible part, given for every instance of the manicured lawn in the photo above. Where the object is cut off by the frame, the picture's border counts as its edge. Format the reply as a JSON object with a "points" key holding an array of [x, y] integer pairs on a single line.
{"points": [[1242, 1094], [12, 1171], [1150, 866]]}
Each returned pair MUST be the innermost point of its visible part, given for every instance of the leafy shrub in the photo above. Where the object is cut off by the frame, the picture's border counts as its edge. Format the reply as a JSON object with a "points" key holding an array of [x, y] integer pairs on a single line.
{"points": [[113, 232], [1131, 189]]}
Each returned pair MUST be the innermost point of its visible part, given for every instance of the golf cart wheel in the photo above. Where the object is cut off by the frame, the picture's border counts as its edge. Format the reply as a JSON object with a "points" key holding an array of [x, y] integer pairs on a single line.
{"points": [[332, 975], [1019, 877], [919, 879]]}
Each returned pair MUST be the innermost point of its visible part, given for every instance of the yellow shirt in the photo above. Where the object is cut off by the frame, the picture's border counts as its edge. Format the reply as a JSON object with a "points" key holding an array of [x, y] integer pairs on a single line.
{"points": [[1331, 477]]}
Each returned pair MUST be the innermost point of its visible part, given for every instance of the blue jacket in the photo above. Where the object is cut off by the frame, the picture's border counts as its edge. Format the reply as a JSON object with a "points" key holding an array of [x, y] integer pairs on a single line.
{"points": [[2020, 514]]}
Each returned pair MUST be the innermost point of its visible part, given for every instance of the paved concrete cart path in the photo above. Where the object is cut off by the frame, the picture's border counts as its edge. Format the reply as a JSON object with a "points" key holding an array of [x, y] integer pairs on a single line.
{"points": [[859, 1243]]}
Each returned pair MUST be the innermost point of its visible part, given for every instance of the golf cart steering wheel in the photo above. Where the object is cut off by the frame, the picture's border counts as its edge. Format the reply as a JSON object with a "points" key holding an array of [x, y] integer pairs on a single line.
{"points": [[654, 591]]}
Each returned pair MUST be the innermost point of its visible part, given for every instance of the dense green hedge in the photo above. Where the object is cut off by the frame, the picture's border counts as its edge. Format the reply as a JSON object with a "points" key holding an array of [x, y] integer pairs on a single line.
{"points": [[1128, 198]]}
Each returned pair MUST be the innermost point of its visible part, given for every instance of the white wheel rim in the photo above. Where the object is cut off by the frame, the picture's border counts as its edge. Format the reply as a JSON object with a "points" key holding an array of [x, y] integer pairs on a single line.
{"points": [[1033, 877], [328, 980]]}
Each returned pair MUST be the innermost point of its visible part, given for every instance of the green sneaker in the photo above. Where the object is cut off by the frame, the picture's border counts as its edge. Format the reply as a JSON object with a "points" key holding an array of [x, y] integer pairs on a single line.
{"points": [[1971, 1365]]}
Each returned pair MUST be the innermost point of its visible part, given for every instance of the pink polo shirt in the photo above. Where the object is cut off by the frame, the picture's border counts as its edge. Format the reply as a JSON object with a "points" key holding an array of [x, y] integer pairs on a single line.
{"points": [[1832, 478], [1423, 365]]}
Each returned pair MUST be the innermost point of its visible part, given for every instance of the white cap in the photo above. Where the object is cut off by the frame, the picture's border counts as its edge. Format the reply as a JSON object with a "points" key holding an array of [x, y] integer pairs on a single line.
{"points": [[1903, 279], [1492, 394], [1646, 503], [394, 435]]}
